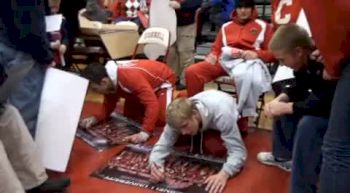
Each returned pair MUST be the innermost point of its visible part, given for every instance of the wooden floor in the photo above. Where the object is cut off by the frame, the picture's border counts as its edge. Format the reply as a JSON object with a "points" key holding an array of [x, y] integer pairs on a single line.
{"points": [[254, 178]]}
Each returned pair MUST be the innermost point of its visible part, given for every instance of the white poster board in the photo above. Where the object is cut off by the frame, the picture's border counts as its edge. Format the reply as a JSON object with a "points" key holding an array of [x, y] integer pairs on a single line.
{"points": [[53, 22], [302, 21], [161, 15], [60, 108], [283, 73]]}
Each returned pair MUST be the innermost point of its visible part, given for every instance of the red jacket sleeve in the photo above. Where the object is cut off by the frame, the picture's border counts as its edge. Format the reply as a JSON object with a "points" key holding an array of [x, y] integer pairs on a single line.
{"points": [[109, 104], [216, 48], [328, 20], [264, 53], [146, 95]]}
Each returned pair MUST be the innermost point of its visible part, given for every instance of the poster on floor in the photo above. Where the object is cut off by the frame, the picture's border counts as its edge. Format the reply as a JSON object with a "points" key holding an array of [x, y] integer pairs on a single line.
{"points": [[110, 133], [184, 172], [59, 113]]}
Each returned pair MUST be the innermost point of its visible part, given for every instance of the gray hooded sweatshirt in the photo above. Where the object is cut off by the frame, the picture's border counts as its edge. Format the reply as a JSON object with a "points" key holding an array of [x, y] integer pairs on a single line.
{"points": [[218, 111]]}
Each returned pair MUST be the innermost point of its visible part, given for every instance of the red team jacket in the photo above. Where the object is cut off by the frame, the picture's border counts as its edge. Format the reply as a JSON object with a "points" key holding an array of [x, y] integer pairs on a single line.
{"points": [[285, 11], [141, 79], [330, 26], [254, 35]]}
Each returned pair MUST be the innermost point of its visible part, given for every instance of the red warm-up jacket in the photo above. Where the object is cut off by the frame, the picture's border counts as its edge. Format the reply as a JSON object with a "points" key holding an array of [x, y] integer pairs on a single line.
{"points": [[141, 78], [284, 12], [253, 35], [330, 26]]}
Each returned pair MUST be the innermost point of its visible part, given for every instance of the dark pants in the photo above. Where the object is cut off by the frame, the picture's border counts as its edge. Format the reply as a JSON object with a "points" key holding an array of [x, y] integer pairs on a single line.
{"points": [[284, 129], [335, 172], [307, 154]]}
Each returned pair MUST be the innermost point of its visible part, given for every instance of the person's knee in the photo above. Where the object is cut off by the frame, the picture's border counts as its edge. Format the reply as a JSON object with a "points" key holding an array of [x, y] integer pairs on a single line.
{"points": [[191, 70], [309, 123], [241, 75]]}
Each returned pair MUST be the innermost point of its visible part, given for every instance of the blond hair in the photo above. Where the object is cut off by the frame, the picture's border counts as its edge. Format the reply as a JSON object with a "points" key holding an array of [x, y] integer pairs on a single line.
{"points": [[288, 37], [179, 111]]}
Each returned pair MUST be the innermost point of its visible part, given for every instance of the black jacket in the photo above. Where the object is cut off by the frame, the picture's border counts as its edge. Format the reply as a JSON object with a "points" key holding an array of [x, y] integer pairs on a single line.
{"points": [[312, 95], [186, 14], [22, 26]]}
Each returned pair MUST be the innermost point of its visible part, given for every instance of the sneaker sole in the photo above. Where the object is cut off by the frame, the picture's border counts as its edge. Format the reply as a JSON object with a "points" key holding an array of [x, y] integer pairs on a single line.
{"points": [[275, 165]]}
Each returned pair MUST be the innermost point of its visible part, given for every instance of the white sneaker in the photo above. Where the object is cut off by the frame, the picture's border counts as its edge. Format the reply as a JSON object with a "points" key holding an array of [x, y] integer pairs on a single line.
{"points": [[268, 159]]}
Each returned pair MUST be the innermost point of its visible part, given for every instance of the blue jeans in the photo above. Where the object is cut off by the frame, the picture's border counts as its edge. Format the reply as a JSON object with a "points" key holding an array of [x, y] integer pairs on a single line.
{"points": [[307, 154], [26, 96], [284, 129], [24, 84], [335, 172]]}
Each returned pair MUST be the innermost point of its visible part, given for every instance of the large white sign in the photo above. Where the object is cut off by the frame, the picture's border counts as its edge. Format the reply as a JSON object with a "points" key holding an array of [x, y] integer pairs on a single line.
{"points": [[161, 15], [60, 108]]}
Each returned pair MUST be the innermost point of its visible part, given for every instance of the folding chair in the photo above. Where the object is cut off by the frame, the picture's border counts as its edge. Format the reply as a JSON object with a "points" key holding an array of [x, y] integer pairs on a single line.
{"points": [[154, 35]]}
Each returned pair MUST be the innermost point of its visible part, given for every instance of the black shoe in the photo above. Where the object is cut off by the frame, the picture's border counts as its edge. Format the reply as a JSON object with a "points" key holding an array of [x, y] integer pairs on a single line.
{"points": [[180, 86], [52, 185]]}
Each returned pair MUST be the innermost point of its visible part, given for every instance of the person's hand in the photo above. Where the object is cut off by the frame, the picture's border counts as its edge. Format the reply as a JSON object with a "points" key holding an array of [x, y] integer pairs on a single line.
{"points": [[217, 182], [137, 138], [52, 64], [327, 76], [249, 55], [63, 49], [55, 45], [88, 122], [276, 108], [316, 55], [211, 58], [174, 4], [232, 52], [157, 173]]}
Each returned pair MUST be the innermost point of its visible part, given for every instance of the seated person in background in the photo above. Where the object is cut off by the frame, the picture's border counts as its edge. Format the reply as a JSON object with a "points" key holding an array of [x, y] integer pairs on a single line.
{"points": [[146, 86], [95, 11], [303, 109], [240, 50], [128, 10], [198, 114], [20, 166], [58, 39]]}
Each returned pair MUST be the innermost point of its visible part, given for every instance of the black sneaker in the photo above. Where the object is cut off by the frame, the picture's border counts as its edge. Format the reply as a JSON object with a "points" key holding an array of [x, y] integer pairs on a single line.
{"points": [[52, 185]]}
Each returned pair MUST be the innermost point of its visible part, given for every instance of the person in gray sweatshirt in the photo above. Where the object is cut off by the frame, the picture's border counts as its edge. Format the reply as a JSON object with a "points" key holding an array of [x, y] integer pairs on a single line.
{"points": [[210, 109]]}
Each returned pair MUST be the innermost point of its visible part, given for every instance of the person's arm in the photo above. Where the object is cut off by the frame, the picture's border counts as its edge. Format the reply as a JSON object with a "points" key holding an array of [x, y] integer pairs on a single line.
{"points": [[317, 104], [26, 28], [109, 104], [217, 45], [146, 95], [263, 52], [236, 151], [164, 146]]}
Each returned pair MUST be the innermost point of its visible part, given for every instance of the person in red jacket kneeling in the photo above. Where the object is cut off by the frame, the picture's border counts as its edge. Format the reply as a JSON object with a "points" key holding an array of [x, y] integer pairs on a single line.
{"points": [[146, 86]]}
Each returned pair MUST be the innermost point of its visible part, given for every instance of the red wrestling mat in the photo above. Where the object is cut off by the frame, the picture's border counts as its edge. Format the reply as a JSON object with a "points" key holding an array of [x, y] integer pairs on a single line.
{"points": [[184, 173]]}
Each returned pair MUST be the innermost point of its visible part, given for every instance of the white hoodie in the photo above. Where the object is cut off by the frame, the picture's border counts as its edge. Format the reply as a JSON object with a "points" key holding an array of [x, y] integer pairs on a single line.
{"points": [[218, 111]]}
